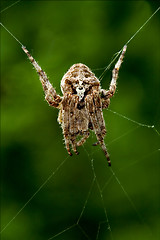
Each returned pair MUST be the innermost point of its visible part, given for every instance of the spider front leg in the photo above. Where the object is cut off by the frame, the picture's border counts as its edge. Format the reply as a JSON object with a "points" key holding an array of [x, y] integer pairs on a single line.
{"points": [[50, 93], [108, 94]]}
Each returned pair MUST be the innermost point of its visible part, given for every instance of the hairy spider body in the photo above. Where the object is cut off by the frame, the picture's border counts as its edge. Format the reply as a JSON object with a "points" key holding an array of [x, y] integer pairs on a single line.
{"points": [[82, 102]]}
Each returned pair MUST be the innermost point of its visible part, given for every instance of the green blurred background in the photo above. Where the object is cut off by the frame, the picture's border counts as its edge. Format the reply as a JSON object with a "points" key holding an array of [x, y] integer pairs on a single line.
{"points": [[59, 34]]}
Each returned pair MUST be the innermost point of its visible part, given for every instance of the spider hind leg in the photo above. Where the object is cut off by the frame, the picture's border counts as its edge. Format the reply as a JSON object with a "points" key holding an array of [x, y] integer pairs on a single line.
{"points": [[84, 138], [73, 129], [94, 110], [65, 123], [96, 143]]}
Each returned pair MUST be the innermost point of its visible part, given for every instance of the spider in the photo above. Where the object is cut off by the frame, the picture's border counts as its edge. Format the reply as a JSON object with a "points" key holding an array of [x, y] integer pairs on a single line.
{"points": [[82, 102]]}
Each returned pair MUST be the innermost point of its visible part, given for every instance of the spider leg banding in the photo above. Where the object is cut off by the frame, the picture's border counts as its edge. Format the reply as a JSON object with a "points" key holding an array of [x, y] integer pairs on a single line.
{"points": [[50, 94], [82, 102]]}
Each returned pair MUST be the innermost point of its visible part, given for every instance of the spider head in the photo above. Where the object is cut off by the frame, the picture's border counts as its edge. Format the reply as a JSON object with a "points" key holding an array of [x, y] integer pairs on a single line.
{"points": [[79, 80]]}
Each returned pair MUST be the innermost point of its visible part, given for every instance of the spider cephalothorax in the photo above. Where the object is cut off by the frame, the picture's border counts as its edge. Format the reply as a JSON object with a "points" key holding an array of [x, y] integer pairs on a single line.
{"points": [[82, 102], [79, 80]]}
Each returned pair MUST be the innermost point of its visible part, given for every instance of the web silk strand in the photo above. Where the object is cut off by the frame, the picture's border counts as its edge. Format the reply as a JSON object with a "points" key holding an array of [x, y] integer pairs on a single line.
{"points": [[10, 6], [133, 36], [38, 190]]}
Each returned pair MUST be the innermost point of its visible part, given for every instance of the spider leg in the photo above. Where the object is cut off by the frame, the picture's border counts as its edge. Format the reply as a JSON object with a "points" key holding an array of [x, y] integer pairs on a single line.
{"points": [[73, 125], [115, 72], [50, 93], [99, 135], [99, 113], [83, 125], [104, 98], [84, 138], [112, 88], [96, 143], [65, 124]]}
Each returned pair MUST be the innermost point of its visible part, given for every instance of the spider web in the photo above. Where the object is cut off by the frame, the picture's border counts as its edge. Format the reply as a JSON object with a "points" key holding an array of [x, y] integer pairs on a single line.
{"points": [[97, 215]]}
